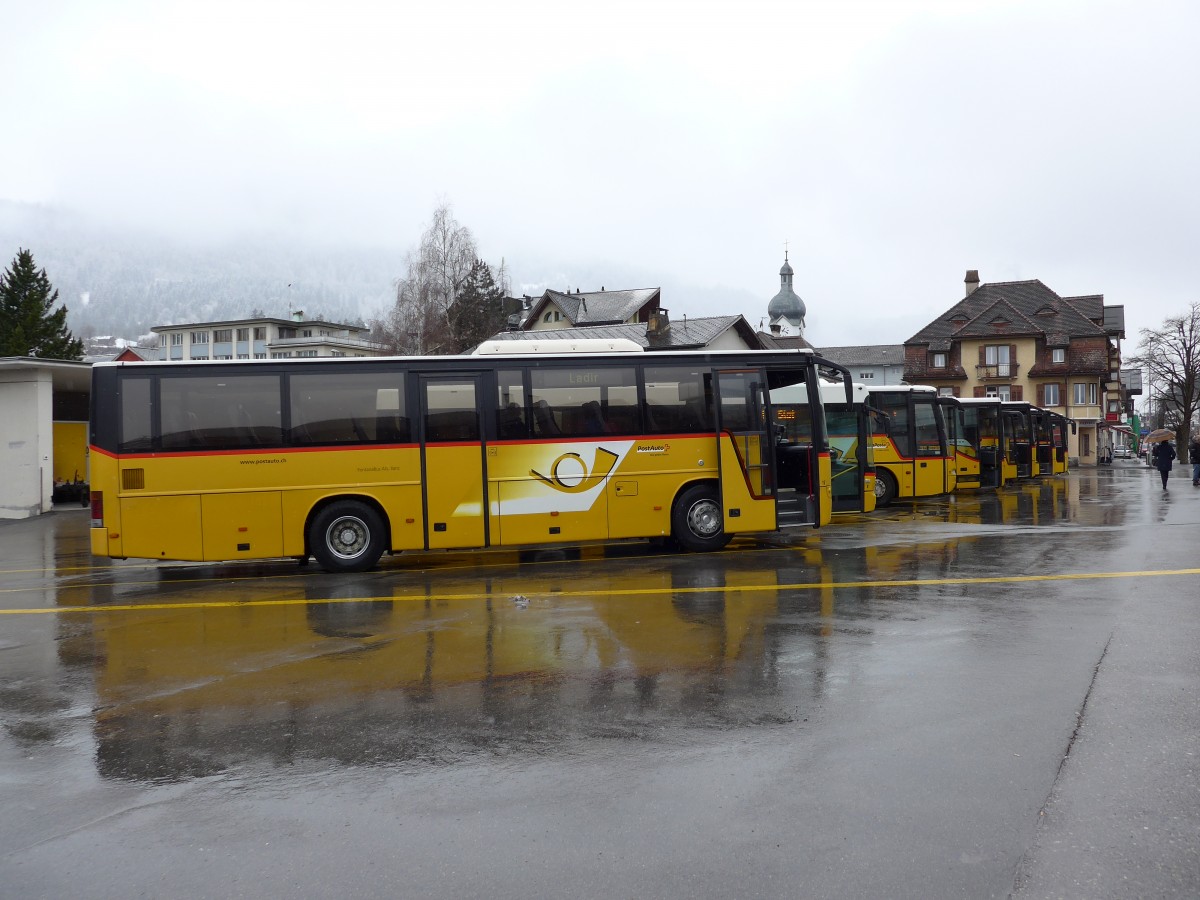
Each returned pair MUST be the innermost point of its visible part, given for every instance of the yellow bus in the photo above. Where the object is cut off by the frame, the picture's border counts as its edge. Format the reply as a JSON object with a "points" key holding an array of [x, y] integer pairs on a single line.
{"points": [[964, 455], [990, 432], [1050, 441], [345, 459], [912, 453], [850, 426]]}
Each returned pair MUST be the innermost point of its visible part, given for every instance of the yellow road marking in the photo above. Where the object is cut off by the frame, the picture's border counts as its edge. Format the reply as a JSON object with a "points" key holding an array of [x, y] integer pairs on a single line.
{"points": [[613, 592]]}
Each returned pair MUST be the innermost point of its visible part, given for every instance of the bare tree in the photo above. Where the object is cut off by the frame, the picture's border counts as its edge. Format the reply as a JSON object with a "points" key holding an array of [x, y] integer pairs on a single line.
{"points": [[418, 323], [1171, 357]]}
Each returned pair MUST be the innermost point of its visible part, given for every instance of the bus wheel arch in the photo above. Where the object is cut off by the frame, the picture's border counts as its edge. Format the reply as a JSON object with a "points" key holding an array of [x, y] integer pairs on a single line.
{"points": [[347, 533], [697, 521], [885, 487]]}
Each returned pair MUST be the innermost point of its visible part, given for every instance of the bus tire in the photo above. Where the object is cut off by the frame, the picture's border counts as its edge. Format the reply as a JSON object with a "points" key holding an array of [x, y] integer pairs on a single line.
{"points": [[697, 523], [885, 487], [346, 536]]}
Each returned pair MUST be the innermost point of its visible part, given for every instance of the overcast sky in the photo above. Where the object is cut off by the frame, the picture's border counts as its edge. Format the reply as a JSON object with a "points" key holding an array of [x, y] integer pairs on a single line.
{"points": [[893, 143]]}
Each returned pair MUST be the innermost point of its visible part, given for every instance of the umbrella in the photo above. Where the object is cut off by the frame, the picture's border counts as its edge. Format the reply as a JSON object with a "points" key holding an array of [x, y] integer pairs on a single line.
{"points": [[1159, 434]]}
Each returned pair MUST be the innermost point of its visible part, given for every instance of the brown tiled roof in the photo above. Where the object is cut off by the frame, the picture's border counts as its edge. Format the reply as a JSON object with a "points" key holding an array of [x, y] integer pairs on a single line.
{"points": [[1027, 308]]}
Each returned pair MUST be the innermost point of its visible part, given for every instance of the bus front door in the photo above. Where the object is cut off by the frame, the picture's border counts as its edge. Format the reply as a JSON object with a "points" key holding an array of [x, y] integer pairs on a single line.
{"points": [[452, 462], [746, 452]]}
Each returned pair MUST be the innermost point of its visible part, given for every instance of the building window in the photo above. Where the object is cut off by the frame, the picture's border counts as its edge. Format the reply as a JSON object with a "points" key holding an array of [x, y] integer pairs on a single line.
{"points": [[285, 333], [945, 392], [177, 339], [1003, 391], [996, 355], [306, 353], [1058, 355], [307, 332], [223, 335], [243, 334], [260, 333], [939, 360], [863, 376], [1085, 444], [1086, 393], [546, 317], [199, 337], [260, 356], [1051, 397]]}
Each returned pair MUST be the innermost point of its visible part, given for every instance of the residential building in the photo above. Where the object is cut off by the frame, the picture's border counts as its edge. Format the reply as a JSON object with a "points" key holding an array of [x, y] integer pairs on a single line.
{"points": [[872, 365], [264, 338], [1019, 340], [658, 333], [555, 309]]}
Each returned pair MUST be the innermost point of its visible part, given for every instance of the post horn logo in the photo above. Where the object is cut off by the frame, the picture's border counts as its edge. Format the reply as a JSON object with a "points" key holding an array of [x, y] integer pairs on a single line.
{"points": [[569, 472]]}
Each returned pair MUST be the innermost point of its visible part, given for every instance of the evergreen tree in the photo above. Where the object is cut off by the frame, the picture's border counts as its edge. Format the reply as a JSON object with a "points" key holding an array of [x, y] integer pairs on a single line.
{"points": [[477, 311], [29, 324]]}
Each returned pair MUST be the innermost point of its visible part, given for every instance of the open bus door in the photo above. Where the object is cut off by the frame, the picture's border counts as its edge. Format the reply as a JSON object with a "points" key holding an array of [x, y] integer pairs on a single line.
{"points": [[746, 454], [963, 453], [1043, 459], [1059, 440], [1020, 443]]}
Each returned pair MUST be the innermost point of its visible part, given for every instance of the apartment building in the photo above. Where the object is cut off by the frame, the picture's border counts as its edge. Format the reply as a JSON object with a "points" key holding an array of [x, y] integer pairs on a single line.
{"points": [[1019, 340], [263, 338]]}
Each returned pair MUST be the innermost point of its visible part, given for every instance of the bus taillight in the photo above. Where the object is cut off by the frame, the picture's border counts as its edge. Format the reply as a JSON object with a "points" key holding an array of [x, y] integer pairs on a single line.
{"points": [[97, 509]]}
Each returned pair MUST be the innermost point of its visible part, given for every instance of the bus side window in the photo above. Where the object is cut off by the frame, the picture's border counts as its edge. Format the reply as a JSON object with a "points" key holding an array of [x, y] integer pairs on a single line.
{"points": [[543, 418]]}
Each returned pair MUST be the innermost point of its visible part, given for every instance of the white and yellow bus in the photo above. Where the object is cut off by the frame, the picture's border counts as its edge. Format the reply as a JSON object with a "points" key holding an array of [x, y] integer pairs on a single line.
{"points": [[345, 459], [913, 454]]}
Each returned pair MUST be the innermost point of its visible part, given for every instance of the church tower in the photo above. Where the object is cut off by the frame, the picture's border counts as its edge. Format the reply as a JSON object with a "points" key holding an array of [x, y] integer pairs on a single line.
{"points": [[786, 310]]}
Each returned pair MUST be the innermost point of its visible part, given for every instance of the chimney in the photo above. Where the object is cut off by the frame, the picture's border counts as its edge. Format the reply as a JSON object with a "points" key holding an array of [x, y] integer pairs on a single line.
{"points": [[658, 327], [971, 281]]}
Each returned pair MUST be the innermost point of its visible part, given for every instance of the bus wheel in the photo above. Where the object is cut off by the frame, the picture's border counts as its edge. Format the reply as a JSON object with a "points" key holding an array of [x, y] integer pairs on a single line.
{"points": [[346, 536], [696, 520], [885, 487]]}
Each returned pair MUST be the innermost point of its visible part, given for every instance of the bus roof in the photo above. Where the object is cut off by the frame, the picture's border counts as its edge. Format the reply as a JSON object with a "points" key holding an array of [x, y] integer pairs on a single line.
{"points": [[550, 345]]}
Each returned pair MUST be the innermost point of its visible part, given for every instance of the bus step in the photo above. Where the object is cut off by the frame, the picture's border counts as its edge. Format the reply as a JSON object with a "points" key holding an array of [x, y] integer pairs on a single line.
{"points": [[794, 512]]}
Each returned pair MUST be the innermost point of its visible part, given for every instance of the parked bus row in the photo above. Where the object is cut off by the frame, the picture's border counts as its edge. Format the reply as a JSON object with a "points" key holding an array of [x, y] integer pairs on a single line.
{"points": [[908, 442], [344, 460]]}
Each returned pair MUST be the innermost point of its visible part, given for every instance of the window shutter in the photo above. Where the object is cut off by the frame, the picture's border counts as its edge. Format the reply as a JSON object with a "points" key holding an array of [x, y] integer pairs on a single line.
{"points": [[979, 391], [1012, 354], [982, 355], [1041, 395], [956, 390], [1015, 392]]}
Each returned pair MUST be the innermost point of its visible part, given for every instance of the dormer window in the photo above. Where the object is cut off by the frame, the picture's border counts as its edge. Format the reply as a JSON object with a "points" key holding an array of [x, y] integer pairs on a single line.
{"points": [[1058, 355], [939, 360], [1047, 311], [999, 322]]}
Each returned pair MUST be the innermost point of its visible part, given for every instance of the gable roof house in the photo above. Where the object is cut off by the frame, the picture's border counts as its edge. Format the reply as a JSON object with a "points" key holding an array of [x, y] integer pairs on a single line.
{"points": [[658, 333], [1019, 340], [555, 309]]}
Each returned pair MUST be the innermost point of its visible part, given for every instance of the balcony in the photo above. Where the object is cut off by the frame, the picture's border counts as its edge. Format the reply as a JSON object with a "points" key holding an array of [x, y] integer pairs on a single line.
{"points": [[997, 371]]}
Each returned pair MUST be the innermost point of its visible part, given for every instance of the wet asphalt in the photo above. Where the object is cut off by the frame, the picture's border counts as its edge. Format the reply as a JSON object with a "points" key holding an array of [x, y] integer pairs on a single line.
{"points": [[978, 696]]}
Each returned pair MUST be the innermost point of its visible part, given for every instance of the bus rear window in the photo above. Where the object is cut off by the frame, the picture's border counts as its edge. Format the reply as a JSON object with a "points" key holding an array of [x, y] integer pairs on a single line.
{"points": [[136, 432]]}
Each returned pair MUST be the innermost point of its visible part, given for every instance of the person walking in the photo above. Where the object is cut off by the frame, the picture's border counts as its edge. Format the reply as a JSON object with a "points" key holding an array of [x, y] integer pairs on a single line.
{"points": [[1194, 459], [1163, 453]]}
